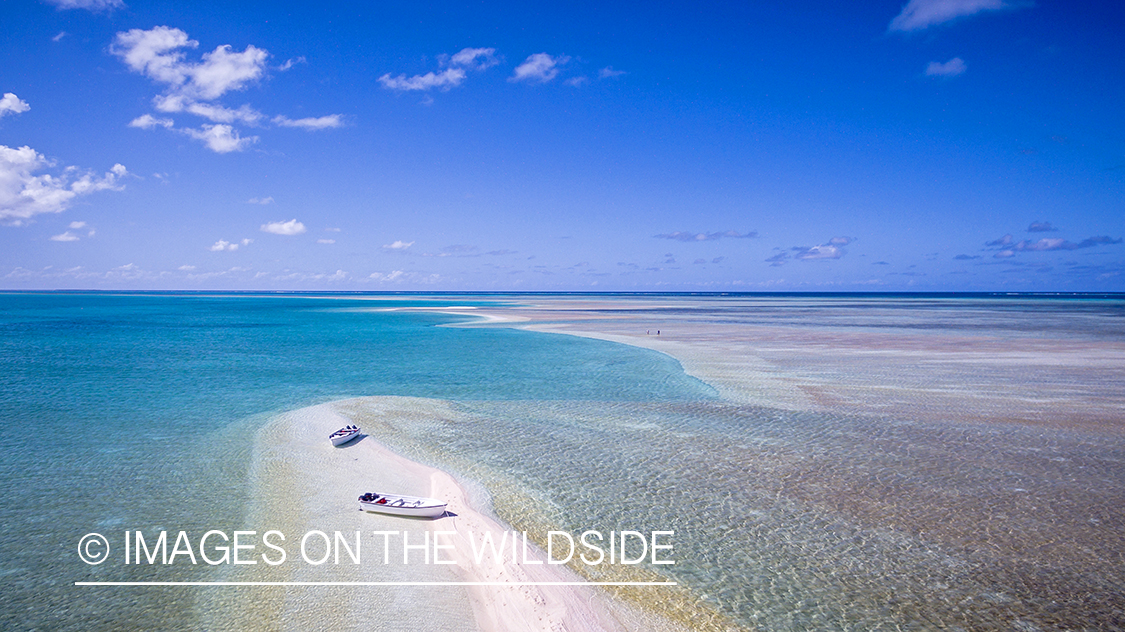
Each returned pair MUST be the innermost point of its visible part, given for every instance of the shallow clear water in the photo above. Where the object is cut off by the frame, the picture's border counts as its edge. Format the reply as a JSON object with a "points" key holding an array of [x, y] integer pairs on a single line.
{"points": [[797, 521], [136, 412]]}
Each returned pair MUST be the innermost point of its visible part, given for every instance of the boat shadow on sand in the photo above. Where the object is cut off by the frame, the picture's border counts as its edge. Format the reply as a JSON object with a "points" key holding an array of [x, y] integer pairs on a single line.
{"points": [[447, 514]]}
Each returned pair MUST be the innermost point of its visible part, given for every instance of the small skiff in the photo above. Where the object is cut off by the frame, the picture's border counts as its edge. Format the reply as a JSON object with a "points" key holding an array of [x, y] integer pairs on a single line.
{"points": [[344, 435], [402, 505]]}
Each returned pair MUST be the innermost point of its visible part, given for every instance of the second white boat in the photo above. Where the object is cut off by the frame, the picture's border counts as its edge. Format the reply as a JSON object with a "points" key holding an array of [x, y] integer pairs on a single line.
{"points": [[344, 435], [397, 505]]}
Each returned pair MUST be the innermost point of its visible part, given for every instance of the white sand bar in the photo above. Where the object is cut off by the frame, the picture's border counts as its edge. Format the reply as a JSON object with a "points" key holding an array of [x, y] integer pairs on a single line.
{"points": [[303, 483]]}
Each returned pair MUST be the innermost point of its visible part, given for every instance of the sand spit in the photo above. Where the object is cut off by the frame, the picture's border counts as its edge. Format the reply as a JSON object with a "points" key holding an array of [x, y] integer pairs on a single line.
{"points": [[828, 356], [303, 484]]}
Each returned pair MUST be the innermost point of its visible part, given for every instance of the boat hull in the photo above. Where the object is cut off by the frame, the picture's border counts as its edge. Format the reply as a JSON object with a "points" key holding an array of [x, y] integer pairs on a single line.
{"points": [[338, 439], [409, 506]]}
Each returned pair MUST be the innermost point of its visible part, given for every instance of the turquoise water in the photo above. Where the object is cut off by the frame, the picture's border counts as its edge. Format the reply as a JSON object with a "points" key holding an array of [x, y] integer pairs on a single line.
{"points": [[136, 411]]}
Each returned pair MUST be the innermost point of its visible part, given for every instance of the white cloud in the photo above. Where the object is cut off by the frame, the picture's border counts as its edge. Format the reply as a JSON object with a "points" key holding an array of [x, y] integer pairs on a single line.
{"points": [[292, 227], [89, 5], [831, 250], [577, 82], [539, 67], [322, 122], [387, 276], [825, 251], [951, 68], [262, 201], [58, 37], [326, 241], [453, 75], [221, 139], [399, 245], [475, 58], [11, 104], [448, 78], [186, 268], [24, 195], [79, 226], [222, 245], [192, 87], [921, 14], [148, 121], [608, 73], [67, 236], [210, 111], [157, 54], [289, 63]]}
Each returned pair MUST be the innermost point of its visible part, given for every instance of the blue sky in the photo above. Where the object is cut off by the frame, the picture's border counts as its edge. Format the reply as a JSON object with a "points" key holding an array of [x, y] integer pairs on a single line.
{"points": [[946, 145]]}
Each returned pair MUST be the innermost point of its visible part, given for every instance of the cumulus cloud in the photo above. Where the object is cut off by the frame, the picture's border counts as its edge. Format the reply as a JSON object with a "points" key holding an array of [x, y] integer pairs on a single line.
{"points": [[23, 194], [310, 123], [833, 249], [262, 201], [222, 245], [608, 73], [539, 68], [210, 111], [823, 251], [221, 139], [1062, 244], [386, 276], [11, 104], [449, 78], [69, 236], [148, 121], [193, 87], [292, 227], [475, 58], [454, 74], [1007, 246], [687, 236], [951, 68], [922, 14], [399, 245], [157, 54], [89, 5]]}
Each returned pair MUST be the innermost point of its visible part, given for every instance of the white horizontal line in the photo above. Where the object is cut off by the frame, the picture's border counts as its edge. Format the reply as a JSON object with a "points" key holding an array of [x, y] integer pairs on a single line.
{"points": [[375, 584]]}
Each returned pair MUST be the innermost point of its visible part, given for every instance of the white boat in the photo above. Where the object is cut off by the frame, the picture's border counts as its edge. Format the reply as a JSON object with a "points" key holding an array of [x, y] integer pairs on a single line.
{"points": [[344, 435], [397, 505]]}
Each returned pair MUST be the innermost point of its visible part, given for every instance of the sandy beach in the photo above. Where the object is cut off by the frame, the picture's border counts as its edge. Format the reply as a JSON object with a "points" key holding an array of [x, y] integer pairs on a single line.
{"points": [[304, 484], [933, 375]]}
